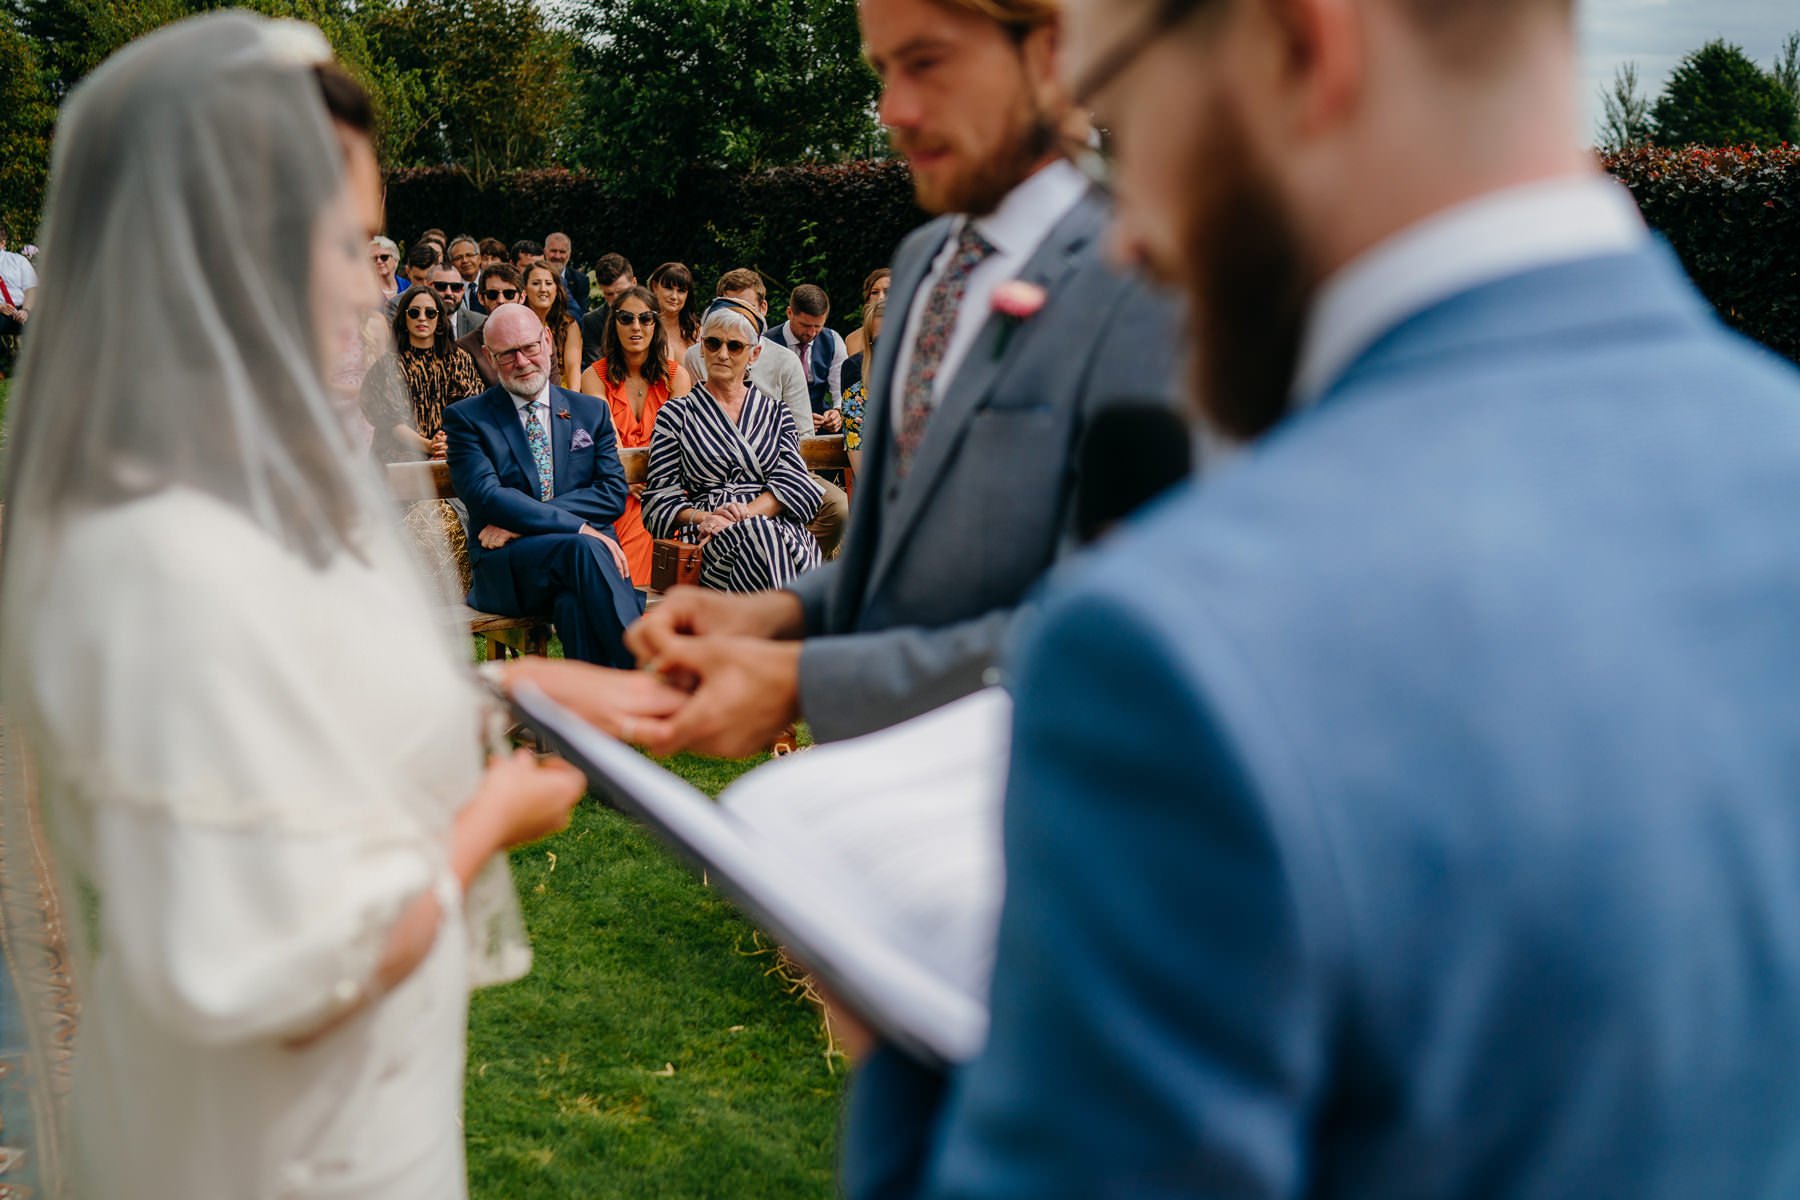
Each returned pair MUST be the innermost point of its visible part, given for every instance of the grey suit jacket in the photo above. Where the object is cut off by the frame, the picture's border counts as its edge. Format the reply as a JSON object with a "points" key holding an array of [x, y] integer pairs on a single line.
{"points": [[914, 611]]}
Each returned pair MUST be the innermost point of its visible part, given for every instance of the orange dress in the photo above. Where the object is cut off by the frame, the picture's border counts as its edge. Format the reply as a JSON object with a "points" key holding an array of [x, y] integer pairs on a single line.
{"points": [[631, 431]]}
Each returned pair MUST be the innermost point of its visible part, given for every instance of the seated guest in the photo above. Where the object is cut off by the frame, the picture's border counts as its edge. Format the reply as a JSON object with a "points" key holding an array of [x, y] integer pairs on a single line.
{"points": [[874, 291], [419, 261], [636, 376], [673, 284], [404, 394], [777, 371], [493, 250], [538, 468], [452, 291], [524, 252], [615, 276], [497, 284], [385, 255], [820, 350], [544, 295], [856, 396], [725, 458], [465, 256], [558, 250]]}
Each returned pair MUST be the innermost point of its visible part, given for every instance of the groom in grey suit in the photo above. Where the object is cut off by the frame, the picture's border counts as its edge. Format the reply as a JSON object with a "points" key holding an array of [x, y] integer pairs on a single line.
{"points": [[1008, 332]]}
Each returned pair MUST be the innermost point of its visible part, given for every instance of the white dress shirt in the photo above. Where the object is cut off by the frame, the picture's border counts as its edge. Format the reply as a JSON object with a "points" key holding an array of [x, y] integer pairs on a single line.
{"points": [[1488, 238], [1015, 229], [541, 402]]}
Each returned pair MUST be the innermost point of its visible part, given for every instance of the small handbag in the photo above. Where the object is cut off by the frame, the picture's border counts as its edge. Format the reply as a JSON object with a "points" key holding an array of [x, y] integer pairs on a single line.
{"points": [[674, 563]]}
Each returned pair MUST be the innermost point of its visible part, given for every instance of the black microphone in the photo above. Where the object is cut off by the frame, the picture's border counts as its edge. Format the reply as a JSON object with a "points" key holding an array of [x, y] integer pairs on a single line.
{"points": [[1130, 454]]}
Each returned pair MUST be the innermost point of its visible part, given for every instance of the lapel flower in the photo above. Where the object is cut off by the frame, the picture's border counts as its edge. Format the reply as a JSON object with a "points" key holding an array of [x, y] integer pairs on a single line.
{"points": [[562, 414], [1015, 302]]}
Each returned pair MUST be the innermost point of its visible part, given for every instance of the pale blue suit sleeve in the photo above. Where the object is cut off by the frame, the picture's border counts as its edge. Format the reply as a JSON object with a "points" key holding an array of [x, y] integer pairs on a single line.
{"points": [[1159, 995]]}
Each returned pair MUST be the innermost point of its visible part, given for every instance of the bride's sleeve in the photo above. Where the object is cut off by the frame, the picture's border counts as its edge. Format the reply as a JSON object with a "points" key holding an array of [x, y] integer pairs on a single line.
{"points": [[245, 851]]}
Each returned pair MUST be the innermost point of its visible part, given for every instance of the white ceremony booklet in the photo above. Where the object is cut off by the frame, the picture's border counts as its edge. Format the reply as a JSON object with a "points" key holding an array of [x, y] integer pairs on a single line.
{"points": [[875, 861]]}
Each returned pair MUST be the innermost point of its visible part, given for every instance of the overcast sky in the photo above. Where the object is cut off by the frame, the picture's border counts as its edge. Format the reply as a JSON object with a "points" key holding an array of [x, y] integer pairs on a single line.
{"points": [[1657, 33]]}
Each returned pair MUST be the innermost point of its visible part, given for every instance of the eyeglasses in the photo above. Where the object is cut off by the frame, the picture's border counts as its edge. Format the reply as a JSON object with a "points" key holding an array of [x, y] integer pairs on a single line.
{"points": [[1115, 62], [517, 353], [500, 294], [712, 345], [626, 320], [419, 314]]}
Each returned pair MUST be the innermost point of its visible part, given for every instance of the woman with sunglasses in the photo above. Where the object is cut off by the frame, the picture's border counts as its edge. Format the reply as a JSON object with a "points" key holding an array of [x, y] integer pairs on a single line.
{"points": [[725, 459], [672, 284], [406, 393], [544, 295], [636, 374]]}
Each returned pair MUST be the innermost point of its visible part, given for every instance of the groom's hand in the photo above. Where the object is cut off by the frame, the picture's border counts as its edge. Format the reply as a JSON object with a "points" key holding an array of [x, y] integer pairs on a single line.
{"points": [[708, 613], [745, 690]]}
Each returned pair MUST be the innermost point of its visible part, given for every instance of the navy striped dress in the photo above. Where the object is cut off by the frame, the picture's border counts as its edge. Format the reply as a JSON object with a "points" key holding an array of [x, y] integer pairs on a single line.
{"points": [[699, 459]]}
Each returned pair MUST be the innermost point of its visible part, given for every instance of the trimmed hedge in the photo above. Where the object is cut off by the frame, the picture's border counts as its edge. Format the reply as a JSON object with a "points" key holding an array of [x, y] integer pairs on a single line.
{"points": [[1732, 214], [829, 225]]}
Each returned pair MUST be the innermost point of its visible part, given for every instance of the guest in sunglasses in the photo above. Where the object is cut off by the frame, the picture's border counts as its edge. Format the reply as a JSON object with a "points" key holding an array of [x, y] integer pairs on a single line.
{"points": [[636, 375], [384, 255], [497, 284], [725, 459], [545, 296], [405, 394]]}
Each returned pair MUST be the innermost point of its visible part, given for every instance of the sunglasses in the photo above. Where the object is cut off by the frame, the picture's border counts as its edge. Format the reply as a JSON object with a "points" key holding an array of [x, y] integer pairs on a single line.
{"points": [[419, 314], [448, 289], [384, 258], [500, 294], [626, 319], [712, 345]]}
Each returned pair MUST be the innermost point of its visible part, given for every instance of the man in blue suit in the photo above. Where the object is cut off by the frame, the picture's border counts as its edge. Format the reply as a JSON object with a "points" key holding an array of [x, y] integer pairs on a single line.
{"points": [[1410, 809], [538, 468]]}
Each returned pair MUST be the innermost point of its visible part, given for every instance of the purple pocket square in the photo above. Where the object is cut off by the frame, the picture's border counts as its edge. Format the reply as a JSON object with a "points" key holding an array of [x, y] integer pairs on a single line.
{"points": [[582, 440]]}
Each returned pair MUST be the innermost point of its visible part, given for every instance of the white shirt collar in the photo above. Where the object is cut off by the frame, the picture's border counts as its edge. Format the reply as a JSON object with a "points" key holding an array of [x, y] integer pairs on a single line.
{"points": [[541, 400], [1488, 238], [1032, 209]]}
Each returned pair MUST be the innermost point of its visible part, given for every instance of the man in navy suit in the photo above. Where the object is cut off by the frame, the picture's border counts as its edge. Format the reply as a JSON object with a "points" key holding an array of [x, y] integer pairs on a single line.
{"points": [[1409, 810], [538, 468]]}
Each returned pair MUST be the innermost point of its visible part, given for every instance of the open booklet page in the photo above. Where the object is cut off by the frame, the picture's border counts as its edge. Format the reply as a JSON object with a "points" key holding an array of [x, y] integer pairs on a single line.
{"points": [[876, 861]]}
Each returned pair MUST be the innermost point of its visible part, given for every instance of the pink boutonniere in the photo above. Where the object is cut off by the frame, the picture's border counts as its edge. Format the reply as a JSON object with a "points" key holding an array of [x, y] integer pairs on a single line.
{"points": [[1015, 303]]}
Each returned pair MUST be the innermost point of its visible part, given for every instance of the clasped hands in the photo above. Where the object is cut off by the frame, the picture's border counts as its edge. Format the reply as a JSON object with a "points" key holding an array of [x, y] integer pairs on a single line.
{"points": [[719, 518], [492, 537], [720, 675]]}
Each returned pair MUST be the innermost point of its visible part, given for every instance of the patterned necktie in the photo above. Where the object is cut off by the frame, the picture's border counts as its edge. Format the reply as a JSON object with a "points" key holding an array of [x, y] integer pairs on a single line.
{"points": [[935, 325], [539, 441]]}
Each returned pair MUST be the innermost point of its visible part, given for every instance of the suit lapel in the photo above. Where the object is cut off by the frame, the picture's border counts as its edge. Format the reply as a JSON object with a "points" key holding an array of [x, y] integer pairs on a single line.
{"points": [[506, 413], [987, 362], [562, 434]]}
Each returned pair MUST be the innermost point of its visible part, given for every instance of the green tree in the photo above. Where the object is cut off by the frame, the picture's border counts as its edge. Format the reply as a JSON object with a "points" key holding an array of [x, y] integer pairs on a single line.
{"points": [[26, 119], [1718, 97], [1787, 70], [739, 84], [493, 92], [1627, 113]]}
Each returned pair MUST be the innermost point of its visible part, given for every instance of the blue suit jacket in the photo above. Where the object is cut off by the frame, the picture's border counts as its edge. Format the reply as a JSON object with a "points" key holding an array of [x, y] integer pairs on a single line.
{"points": [[492, 470], [1414, 809]]}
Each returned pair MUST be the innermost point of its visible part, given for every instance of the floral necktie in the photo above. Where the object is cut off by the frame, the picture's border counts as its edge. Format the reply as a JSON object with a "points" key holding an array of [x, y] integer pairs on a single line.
{"points": [[539, 441], [935, 326]]}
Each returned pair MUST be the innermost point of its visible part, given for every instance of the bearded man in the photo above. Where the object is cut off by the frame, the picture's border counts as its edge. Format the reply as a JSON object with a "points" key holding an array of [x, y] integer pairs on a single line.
{"points": [[967, 488], [1409, 810]]}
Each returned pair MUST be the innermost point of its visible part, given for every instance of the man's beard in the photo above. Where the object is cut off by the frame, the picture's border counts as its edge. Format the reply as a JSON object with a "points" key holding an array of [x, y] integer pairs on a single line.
{"points": [[519, 388], [1248, 289], [988, 181]]}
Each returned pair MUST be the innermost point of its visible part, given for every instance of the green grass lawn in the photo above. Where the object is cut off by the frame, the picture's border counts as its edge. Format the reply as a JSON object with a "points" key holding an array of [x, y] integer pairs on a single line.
{"points": [[651, 1052]]}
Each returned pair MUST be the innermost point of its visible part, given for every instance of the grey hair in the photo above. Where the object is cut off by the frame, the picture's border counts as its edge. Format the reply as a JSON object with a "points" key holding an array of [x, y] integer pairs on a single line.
{"points": [[733, 320], [386, 243]]}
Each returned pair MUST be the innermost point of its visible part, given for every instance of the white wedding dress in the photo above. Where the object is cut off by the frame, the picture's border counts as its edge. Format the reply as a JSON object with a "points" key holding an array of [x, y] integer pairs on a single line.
{"points": [[250, 768]]}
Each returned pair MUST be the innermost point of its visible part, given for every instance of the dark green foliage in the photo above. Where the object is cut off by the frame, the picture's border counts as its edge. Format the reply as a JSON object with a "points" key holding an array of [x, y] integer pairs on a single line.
{"points": [[1733, 214], [27, 116], [1719, 97], [829, 225], [738, 84]]}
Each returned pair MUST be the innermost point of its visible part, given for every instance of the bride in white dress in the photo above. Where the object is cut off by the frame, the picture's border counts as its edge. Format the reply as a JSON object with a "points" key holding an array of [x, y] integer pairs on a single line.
{"points": [[254, 739]]}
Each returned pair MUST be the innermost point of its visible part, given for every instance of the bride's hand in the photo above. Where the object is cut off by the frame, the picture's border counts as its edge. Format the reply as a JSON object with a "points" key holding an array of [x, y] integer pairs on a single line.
{"points": [[528, 797], [612, 700]]}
